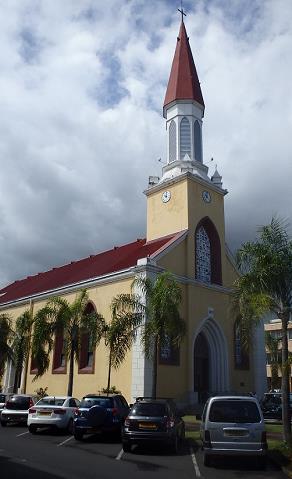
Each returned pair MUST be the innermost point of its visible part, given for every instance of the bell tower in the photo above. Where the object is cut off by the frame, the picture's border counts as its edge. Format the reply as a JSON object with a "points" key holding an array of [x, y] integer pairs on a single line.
{"points": [[185, 193]]}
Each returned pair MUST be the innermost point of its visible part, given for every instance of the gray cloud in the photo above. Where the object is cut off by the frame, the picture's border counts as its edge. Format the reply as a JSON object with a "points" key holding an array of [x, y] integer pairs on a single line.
{"points": [[81, 127]]}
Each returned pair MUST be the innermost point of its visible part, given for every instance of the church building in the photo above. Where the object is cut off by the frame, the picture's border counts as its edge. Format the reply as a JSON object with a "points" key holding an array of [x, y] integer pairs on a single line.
{"points": [[185, 234]]}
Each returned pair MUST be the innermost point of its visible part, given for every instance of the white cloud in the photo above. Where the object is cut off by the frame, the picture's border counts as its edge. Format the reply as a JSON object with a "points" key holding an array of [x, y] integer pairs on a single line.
{"points": [[81, 93]]}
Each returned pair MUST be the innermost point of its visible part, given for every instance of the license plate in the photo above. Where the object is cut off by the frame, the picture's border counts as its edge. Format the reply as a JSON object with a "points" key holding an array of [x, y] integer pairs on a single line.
{"points": [[236, 432], [44, 413], [147, 425]]}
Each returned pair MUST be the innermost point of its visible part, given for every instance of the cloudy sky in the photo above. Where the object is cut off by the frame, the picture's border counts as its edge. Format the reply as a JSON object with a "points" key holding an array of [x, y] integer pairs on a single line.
{"points": [[82, 84]]}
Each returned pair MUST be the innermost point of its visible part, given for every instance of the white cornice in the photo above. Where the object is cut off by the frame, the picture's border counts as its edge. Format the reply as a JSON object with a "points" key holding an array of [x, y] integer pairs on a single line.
{"points": [[181, 177]]}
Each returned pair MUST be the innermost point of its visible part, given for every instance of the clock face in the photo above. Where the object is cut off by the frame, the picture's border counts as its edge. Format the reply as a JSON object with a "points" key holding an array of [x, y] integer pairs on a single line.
{"points": [[206, 196], [166, 195]]}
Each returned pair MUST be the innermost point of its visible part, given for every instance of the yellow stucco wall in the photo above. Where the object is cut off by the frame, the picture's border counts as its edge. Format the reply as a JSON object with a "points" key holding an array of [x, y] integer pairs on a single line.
{"points": [[101, 297]]}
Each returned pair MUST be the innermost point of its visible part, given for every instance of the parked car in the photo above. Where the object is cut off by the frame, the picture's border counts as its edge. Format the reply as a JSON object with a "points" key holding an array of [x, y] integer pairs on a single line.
{"points": [[16, 409], [151, 421], [54, 411], [233, 425], [271, 405], [3, 399], [100, 414]]}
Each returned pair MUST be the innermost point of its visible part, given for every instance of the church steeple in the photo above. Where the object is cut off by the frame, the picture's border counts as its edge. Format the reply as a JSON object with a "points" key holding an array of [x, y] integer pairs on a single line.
{"points": [[183, 83], [183, 110]]}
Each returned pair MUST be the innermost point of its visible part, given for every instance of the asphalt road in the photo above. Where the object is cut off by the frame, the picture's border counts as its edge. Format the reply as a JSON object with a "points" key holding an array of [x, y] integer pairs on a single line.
{"points": [[49, 455]]}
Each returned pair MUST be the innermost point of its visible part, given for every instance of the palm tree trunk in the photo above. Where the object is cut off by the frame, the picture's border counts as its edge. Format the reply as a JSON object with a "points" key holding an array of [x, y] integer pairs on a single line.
{"points": [[286, 416], [154, 370], [109, 371], [71, 371]]}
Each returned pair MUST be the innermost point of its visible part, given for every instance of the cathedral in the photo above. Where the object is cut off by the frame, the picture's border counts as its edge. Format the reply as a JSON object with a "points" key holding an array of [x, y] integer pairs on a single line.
{"points": [[185, 234]]}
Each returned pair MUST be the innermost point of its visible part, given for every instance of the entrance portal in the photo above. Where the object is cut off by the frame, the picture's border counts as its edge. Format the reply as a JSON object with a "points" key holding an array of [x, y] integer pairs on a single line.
{"points": [[210, 356], [201, 368]]}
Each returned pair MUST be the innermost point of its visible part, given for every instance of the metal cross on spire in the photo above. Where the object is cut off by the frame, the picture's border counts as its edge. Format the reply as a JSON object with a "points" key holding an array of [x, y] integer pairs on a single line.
{"points": [[181, 10]]}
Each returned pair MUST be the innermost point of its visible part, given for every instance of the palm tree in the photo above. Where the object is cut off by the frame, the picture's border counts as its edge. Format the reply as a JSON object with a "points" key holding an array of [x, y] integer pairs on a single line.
{"points": [[266, 286], [163, 327], [21, 345], [58, 314], [6, 334], [127, 315], [272, 345]]}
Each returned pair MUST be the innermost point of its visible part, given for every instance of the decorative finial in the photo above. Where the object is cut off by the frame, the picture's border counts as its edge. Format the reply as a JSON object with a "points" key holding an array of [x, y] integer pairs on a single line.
{"points": [[181, 10]]}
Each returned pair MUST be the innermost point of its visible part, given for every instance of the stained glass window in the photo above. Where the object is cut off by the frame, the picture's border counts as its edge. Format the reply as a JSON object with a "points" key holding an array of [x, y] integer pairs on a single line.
{"points": [[203, 256]]}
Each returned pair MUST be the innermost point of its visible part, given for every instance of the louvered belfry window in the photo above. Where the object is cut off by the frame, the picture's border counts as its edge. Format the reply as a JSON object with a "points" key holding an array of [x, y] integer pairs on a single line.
{"points": [[203, 256], [185, 138], [197, 142], [172, 141]]}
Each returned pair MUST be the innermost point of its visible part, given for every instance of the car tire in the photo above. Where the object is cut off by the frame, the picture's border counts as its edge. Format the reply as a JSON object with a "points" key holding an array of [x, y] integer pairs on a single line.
{"points": [[78, 435], [207, 460], [96, 416], [175, 445], [32, 429], [70, 426], [261, 463], [3, 423], [126, 447]]}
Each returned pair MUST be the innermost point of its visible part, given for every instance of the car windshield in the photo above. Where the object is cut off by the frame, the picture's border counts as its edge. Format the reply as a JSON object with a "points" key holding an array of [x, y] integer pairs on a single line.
{"points": [[89, 402], [234, 411], [50, 402], [149, 409]]}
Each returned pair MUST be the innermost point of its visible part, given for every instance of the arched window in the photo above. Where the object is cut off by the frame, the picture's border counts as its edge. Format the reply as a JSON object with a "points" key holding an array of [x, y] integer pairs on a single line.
{"points": [[197, 142], [86, 357], [207, 253], [203, 256], [59, 358], [185, 138], [241, 355], [172, 141]]}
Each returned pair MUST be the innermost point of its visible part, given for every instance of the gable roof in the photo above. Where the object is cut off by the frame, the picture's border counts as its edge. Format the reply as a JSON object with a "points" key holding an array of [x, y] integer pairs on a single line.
{"points": [[117, 259], [183, 83]]}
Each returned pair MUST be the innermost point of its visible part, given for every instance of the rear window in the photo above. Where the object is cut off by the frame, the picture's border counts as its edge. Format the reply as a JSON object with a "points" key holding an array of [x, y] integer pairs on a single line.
{"points": [[89, 402], [51, 402], [149, 409], [234, 411], [18, 402]]}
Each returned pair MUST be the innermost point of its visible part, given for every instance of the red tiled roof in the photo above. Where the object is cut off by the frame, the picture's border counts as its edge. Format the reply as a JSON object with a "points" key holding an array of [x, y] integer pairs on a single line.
{"points": [[116, 259], [183, 83]]}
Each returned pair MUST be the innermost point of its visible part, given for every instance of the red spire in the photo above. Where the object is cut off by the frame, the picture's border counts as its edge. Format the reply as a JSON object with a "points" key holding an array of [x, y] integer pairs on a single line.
{"points": [[183, 83]]}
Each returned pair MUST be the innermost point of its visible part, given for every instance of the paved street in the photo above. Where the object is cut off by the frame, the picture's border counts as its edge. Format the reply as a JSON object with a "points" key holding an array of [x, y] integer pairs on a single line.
{"points": [[53, 455]]}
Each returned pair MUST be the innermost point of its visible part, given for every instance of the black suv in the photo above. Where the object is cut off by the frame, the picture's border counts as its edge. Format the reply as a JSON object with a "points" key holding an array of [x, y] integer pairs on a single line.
{"points": [[151, 420], [100, 414]]}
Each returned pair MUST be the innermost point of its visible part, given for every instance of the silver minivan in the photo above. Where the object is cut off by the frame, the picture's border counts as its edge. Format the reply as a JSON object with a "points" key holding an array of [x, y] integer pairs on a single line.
{"points": [[233, 425]]}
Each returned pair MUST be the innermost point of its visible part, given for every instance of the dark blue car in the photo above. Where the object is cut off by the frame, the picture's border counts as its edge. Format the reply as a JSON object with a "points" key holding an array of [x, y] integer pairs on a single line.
{"points": [[100, 414]]}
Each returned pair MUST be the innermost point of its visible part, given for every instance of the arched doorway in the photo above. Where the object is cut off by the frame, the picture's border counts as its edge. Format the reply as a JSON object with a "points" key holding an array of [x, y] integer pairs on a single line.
{"points": [[210, 360], [201, 368]]}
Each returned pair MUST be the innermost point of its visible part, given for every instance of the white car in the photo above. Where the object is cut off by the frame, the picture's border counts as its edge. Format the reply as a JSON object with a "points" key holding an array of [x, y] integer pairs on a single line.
{"points": [[55, 411]]}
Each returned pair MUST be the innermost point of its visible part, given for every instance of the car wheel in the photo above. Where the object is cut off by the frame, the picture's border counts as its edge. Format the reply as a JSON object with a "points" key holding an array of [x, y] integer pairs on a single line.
{"points": [[261, 462], [70, 426], [174, 445], [126, 447], [207, 460], [78, 435], [32, 428], [3, 423]]}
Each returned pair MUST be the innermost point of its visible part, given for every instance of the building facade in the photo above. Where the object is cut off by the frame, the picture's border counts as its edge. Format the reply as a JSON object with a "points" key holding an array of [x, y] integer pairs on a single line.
{"points": [[274, 328], [185, 234]]}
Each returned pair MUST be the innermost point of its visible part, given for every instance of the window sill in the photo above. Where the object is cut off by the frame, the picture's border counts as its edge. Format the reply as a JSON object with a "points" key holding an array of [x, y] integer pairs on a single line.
{"points": [[60, 370], [86, 370]]}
